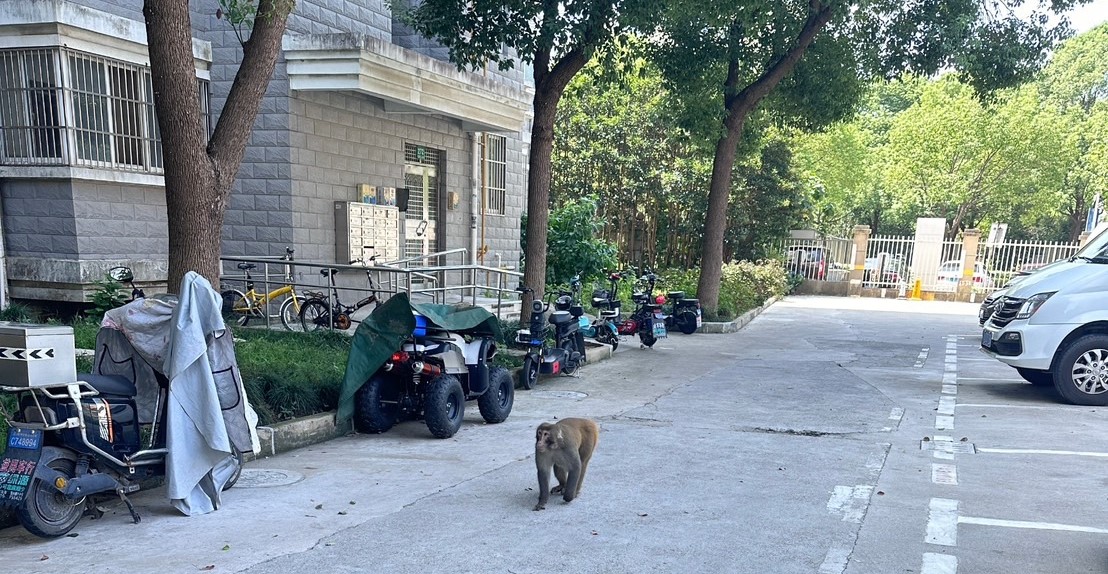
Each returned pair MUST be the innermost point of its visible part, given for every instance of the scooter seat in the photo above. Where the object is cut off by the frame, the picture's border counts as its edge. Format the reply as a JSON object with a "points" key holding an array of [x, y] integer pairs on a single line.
{"points": [[676, 295], [609, 314], [110, 384], [561, 318]]}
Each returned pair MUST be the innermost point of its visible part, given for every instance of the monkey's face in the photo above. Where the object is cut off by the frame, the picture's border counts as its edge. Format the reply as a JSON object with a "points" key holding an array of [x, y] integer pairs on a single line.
{"points": [[545, 440]]}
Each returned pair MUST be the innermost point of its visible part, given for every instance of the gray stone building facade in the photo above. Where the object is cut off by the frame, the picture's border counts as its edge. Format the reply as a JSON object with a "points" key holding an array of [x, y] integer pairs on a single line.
{"points": [[356, 99]]}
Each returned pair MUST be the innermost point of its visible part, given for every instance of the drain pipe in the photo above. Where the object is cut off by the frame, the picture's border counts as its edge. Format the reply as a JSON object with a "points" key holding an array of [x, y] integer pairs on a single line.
{"points": [[475, 198]]}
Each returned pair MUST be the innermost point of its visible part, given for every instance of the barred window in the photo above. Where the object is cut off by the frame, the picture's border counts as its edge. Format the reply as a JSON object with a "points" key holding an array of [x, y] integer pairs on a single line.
{"points": [[29, 114], [107, 106], [494, 168]]}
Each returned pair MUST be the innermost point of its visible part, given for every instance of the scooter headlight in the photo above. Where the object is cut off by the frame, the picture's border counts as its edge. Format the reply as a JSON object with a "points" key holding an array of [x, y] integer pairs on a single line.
{"points": [[1032, 304]]}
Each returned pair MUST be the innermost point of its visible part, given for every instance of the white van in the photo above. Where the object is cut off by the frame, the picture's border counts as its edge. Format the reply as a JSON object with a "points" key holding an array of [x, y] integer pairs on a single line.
{"points": [[1052, 326]]}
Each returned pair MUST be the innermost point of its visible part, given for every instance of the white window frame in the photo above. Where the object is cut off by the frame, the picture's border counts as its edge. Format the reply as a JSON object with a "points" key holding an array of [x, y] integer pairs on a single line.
{"points": [[494, 174]]}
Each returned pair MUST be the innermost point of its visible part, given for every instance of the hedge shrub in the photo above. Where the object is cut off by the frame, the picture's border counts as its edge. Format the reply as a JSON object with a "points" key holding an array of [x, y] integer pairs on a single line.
{"points": [[744, 285]]}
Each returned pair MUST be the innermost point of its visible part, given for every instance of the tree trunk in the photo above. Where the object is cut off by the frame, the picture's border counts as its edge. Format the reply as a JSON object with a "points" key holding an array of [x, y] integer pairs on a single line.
{"points": [[199, 173], [739, 104], [538, 193], [711, 250]]}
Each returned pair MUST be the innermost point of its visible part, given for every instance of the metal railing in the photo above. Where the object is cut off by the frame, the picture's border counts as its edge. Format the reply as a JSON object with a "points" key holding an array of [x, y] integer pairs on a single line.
{"points": [[388, 278], [826, 259], [1005, 260]]}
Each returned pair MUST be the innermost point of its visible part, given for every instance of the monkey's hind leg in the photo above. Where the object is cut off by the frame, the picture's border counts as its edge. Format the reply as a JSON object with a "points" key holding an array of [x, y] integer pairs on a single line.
{"points": [[562, 476]]}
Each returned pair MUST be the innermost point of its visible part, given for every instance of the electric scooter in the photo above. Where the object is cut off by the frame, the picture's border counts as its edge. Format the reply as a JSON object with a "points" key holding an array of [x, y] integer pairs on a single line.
{"points": [[568, 352]]}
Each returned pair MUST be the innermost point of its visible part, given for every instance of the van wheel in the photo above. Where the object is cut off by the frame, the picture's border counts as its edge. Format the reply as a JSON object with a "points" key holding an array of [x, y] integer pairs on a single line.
{"points": [[1081, 374], [1036, 377]]}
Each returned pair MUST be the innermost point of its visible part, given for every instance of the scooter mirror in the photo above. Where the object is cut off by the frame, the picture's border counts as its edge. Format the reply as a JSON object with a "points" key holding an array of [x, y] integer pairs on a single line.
{"points": [[121, 274]]}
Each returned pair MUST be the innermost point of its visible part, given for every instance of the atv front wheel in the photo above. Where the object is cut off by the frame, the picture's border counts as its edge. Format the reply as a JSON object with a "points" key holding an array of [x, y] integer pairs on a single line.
{"points": [[496, 403], [444, 406]]}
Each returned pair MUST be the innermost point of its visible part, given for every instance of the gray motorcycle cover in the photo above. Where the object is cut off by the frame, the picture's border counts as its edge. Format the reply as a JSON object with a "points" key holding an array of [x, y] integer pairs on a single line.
{"points": [[207, 411]]}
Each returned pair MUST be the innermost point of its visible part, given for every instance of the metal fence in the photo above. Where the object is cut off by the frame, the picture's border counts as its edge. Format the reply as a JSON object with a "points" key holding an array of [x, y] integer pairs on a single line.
{"points": [[1005, 260], [888, 260], [825, 259]]}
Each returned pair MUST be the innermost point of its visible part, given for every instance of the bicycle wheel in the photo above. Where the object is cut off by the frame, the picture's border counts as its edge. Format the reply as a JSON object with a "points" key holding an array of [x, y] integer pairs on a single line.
{"points": [[290, 313], [315, 315], [236, 308]]}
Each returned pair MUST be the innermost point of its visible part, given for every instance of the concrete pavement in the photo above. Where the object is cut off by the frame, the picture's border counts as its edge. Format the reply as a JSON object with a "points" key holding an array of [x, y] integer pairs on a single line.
{"points": [[795, 445]]}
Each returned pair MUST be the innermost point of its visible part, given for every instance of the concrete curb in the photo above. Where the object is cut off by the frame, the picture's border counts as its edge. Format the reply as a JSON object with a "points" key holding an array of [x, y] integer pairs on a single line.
{"points": [[738, 323]]}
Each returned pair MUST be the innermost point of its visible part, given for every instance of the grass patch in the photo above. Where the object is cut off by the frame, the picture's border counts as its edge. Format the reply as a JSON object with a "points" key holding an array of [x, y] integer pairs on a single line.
{"points": [[289, 375]]}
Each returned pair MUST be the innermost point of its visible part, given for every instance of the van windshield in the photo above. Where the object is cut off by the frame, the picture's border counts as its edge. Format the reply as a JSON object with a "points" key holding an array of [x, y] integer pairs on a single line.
{"points": [[1096, 250]]}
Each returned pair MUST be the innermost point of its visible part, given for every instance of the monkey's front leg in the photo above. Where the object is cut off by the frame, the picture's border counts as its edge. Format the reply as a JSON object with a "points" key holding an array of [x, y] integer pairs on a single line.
{"points": [[544, 488], [570, 489]]}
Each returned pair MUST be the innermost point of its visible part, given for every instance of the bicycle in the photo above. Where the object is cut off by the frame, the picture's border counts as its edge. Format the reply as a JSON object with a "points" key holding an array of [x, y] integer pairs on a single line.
{"points": [[315, 313], [241, 307]]}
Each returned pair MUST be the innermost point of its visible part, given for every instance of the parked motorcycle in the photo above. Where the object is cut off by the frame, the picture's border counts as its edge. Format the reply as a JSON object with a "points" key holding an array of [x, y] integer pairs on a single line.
{"points": [[647, 321], [606, 326], [683, 314], [73, 437], [568, 353]]}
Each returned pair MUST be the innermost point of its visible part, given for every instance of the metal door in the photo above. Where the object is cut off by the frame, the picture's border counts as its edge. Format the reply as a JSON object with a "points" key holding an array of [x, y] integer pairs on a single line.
{"points": [[421, 219]]}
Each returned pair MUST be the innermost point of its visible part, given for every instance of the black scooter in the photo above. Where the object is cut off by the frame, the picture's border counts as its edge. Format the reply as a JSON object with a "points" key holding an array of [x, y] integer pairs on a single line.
{"points": [[568, 353], [68, 442]]}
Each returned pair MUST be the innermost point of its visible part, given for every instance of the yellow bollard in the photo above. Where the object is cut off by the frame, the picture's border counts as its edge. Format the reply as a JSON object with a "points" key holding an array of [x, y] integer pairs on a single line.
{"points": [[917, 291]]}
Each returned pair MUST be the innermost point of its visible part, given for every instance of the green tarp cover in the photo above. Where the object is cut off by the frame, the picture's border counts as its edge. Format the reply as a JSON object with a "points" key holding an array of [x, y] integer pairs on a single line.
{"points": [[384, 331]]}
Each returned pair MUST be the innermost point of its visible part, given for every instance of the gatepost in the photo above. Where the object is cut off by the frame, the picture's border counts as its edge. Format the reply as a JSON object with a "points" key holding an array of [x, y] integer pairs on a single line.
{"points": [[970, 240], [858, 269]]}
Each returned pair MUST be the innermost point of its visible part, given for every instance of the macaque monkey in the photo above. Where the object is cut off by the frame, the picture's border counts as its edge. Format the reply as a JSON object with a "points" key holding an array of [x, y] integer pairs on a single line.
{"points": [[566, 446]]}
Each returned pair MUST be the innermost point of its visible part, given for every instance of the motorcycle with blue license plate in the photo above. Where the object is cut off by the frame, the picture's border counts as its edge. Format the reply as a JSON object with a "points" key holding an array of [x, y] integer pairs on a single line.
{"points": [[75, 437], [568, 352]]}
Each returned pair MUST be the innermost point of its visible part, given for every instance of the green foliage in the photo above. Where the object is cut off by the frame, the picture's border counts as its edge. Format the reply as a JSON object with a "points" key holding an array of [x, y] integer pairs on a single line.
{"points": [[240, 14], [573, 246], [744, 286], [108, 295], [768, 201], [18, 313]]}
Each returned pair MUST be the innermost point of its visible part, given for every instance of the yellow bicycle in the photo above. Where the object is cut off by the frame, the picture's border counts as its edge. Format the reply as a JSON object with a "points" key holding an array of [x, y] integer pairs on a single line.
{"points": [[240, 307]]}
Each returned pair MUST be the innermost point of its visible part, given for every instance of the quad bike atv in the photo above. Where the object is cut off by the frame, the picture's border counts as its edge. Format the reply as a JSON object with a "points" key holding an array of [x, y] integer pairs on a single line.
{"points": [[430, 370]]}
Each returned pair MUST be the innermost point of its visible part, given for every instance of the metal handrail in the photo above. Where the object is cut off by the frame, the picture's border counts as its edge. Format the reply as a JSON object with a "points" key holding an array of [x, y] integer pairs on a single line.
{"points": [[399, 278]]}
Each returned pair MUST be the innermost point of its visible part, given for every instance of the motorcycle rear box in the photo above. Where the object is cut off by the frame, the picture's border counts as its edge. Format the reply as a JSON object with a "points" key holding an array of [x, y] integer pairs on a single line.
{"points": [[36, 355]]}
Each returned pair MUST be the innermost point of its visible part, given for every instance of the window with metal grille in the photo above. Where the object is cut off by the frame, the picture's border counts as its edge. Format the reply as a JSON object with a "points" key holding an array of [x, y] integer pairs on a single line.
{"points": [[63, 107], [494, 168]]}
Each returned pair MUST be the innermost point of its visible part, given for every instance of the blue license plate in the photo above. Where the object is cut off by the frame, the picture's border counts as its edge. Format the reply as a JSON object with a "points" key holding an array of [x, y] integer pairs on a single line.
{"points": [[986, 338], [27, 439]]}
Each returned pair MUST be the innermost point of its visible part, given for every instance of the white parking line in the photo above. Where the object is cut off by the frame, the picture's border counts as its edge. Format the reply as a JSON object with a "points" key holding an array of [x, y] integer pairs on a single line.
{"points": [[990, 379], [942, 522], [1034, 407], [944, 422], [944, 474], [835, 561], [950, 378], [946, 406], [938, 564], [1029, 525], [1042, 451], [950, 389]]}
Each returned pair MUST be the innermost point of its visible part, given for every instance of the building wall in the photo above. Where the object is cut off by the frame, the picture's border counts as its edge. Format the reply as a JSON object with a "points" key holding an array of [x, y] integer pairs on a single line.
{"points": [[342, 139], [63, 235]]}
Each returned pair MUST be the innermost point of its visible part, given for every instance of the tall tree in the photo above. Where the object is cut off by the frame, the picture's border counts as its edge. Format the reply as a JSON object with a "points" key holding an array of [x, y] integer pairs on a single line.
{"points": [[557, 38], [811, 56], [200, 172]]}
